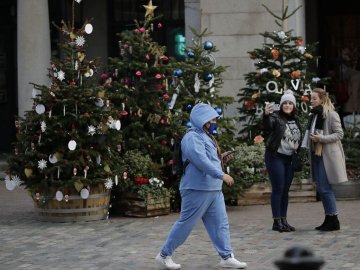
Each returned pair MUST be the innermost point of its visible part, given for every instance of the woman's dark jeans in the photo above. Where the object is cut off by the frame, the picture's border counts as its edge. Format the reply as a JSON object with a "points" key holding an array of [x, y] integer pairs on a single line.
{"points": [[281, 175]]}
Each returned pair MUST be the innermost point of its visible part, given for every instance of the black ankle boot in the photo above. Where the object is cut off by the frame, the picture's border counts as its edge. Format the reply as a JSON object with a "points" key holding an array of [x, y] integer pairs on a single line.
{"points": [[279, 226], [332, 224], [326, 220], [286, 224]]}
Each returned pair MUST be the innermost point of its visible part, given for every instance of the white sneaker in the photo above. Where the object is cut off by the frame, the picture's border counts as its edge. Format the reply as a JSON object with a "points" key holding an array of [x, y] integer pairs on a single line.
{"points": [[167, 262], [232, 263]]}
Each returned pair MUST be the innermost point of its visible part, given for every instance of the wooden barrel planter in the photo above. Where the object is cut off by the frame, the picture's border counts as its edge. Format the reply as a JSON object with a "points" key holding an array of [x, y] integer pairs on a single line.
{"points": [[95, 207], [347, 191], [130, 204]]}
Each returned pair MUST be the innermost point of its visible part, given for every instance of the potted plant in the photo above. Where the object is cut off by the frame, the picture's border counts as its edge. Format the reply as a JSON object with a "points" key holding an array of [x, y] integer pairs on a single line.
{"points": [[140, 191], [248, 168]]}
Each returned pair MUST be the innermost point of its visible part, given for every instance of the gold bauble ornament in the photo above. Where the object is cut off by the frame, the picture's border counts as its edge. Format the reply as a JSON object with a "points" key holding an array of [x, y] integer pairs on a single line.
{"points": [[28, 172]]}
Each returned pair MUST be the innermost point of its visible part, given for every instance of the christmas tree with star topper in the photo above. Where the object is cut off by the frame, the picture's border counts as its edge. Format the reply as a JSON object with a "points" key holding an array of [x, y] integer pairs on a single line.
{"points": [[68, 144], [156, 93], [284, 62]]}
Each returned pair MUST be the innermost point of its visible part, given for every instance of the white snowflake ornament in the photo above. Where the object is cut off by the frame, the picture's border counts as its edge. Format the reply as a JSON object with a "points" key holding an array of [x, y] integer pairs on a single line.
{"points": [[42, 164], [108, 183], [281, 35], [80, 41], [60, 75], [17, 181], [91, 130], [43, 126]]}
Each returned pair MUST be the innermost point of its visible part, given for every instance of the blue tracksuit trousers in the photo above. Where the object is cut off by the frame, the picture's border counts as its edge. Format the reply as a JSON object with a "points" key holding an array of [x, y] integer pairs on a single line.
{"points": [[210, 207]]}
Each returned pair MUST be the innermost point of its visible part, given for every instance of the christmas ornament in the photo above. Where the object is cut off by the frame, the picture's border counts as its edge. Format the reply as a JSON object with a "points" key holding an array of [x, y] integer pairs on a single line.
{"points": [[116, 180], [276, 73], [72, 145], [37, 196], [149, 9], [66, 198], [218, 110], [281, 35], [81, 56], [164, 59], [40, 109], [295, 74], [208, 45], [191, 54], [42, 164], [117, 124], [91, 130], [178, 72], [188, 107], [208, 77], [172, 102], [89, 73], [166, 97], [59, 196], [159, 26], [147, 57], [16, 179], [80, 41], [125, 175], [43, 126], [53, 159], [99, 102], [78, 1], [275, 54], [299, 42], [10, 185], [158, 76], [188, 124], [84, 193], [138, 73], [308, 55], [301, 49], [197, 83], [61, 75], [28, 172], [108, 183], [88, 28]]}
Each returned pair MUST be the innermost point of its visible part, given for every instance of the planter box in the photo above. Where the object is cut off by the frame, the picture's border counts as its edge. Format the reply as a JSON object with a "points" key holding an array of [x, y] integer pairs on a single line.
{"points": [[259, 193], [95, 207], [347, 191], [130, 204]]}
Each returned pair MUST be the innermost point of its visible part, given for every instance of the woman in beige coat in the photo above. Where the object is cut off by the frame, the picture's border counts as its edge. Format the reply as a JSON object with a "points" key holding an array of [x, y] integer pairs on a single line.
{"points": [[323, 139]]}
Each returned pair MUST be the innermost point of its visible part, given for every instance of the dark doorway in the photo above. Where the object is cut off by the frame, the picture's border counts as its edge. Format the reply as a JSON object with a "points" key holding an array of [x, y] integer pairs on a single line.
{"points": [[8, 85], [336, 26]]}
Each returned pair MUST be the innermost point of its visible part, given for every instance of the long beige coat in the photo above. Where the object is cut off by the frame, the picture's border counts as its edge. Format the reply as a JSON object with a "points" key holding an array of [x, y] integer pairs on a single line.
{"points": [[332, 150]]}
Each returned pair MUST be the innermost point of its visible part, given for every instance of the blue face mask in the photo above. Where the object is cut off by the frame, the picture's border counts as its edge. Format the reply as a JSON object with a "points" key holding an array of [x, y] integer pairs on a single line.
{"points": [[212, 129]]}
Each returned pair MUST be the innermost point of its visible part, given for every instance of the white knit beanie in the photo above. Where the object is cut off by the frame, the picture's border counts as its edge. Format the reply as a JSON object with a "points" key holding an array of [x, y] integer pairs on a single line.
{"points": [[288, 96]]}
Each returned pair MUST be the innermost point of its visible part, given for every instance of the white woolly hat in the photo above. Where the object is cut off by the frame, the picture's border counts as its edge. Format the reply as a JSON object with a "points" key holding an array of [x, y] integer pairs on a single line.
{"points": [[288, 96]]}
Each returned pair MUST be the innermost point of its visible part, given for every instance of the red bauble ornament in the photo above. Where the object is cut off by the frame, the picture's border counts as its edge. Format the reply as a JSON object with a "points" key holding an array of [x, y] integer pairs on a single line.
{"points": [[142, 30], [158, 76], [72, 83], [159, 25], [138, 73], [147, 57], [165, 59], [166, 97], [163, 142]]}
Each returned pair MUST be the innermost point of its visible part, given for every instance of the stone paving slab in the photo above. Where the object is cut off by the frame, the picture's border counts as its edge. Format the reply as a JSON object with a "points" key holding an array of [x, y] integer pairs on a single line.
{"points": [[132, 243]]}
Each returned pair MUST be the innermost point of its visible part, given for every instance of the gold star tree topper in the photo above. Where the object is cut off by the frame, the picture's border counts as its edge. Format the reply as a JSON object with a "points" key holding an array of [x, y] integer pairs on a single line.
{"points": [[149, 9]]}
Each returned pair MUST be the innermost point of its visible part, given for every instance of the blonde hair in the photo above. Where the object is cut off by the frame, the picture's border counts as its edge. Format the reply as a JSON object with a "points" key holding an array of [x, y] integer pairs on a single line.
{"points": [[326, 101]]}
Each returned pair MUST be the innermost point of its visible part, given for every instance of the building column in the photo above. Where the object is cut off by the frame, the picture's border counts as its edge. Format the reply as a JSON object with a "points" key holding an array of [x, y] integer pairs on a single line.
{"points": [[192, 18], [33, 48], [297, 21]]}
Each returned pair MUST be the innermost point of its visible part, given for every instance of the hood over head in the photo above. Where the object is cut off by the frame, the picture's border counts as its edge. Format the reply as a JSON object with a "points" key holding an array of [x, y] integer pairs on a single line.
{"points": [[201, 114]]}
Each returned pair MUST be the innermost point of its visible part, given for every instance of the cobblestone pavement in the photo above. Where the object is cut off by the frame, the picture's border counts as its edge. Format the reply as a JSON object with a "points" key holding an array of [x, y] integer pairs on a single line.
{"points": [[132, 243]]}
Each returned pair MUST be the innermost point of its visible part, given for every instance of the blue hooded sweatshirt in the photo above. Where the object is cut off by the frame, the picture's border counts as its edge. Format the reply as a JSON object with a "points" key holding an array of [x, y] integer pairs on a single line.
{"points": [[204, 171]]}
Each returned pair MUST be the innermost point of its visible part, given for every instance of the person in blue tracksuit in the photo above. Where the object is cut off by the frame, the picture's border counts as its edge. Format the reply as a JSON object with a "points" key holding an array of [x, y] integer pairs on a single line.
{"points": [[201, 191]]}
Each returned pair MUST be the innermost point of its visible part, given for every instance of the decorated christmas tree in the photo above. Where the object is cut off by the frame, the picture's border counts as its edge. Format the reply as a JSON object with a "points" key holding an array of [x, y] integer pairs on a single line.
{"points": [[69, 143], [284, 62], [156, 93], [140, 76], [199, 79]]}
